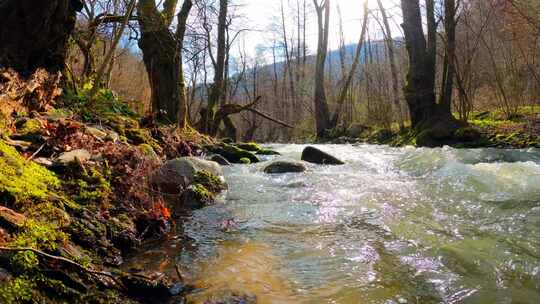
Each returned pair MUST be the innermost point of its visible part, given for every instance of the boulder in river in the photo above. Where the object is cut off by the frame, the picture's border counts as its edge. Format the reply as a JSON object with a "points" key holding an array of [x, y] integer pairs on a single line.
{"points": [[178, 173], [281, 166], [233, 154], [189, 183], [316, 156]]}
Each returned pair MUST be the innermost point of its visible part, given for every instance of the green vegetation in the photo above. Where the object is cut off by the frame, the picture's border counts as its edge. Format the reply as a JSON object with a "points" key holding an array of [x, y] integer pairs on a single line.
{"points": [[24, 181], [209, 181]]}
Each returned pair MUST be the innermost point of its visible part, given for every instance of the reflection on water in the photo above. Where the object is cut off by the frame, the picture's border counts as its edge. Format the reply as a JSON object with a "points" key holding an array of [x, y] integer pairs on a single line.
{"points": [[394, 225]]}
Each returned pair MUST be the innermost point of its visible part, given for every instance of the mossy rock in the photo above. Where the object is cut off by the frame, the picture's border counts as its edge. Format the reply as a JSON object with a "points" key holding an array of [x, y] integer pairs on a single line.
{"points": [[120, 123], [245, 161], [142, 136], [29, 129], [233, 154], [147, 150], [24, 181], [267, 152], [195, 196], [211, 182], [251, 147]]}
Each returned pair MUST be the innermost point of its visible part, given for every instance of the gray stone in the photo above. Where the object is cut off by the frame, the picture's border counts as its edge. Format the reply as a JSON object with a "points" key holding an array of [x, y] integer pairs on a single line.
{"points": [[280, 166], [316, 156], [68, 157], [179, 173]]}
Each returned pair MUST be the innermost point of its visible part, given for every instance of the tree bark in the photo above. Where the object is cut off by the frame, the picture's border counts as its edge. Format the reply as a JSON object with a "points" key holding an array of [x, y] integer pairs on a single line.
{"points": [[426, 114], [34, 34], [419, 91], [450, 53], [322, 113], [162, 56], [210, 126]]}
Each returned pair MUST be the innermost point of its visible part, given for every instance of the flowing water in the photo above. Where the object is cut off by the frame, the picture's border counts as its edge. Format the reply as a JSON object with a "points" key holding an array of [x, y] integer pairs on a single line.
{"points": [[393, 225]]}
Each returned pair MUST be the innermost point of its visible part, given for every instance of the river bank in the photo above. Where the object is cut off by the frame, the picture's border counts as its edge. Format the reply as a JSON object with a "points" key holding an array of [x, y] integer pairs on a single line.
{"points": [[487, 129]]}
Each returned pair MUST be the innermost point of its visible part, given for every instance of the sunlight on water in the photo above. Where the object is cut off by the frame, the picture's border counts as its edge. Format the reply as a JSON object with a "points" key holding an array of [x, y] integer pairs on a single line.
{"points": [[393, 225]]}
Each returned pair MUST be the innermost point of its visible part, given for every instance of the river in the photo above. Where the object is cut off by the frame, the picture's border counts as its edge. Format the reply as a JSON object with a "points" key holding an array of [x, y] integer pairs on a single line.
{"points": [[393, 225]]}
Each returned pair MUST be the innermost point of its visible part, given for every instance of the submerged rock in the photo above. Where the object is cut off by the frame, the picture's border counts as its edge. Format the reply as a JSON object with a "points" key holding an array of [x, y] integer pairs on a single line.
{"points": [[316, 156], [232, 297], [285, 167]]}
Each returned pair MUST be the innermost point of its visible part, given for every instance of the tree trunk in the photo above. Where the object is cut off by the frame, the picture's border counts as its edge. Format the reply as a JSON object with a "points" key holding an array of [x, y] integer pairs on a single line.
{"points": [[449, 57], [162, 56], [322, 113], [426, 114], [419, 91], [210, 126], [34, 34], [162, 64]]}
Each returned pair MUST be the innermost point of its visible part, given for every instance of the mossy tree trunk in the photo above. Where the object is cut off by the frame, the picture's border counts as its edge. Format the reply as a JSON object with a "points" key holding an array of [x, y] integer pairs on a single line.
{"points": [[425, 112], [34, 34], [162, 56]]}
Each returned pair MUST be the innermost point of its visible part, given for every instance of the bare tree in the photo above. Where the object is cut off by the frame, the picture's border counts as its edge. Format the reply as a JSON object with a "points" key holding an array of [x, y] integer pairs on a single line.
{"points": [[322, 112], [162, 55], [393, 66]]}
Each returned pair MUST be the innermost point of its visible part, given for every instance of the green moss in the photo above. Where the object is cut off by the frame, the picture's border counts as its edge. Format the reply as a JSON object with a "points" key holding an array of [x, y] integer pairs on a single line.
{"points": [[23, 180], [39, 235], [147, 150], [267, 152], [235, 154], [48, 212], [4, 126], [17, 290], [209, 181], [245, 160], [90, 187], [251, 147], [142, 136], [202, 194], [29, 127]]}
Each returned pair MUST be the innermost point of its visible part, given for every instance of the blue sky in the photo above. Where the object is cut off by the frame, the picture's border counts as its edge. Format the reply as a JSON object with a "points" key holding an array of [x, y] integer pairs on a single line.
{"points": [[261, 14]]}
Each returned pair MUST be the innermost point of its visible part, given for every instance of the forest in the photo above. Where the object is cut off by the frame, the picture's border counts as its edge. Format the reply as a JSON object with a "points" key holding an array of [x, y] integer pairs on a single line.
{"points": [[269, 151]]}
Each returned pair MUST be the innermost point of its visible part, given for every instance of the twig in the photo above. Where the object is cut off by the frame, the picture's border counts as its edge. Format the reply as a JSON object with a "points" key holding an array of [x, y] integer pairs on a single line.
{"points": [[65, 260], [36, 153]]}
